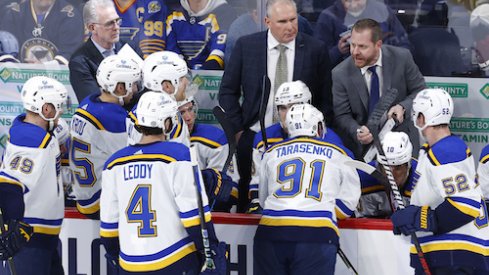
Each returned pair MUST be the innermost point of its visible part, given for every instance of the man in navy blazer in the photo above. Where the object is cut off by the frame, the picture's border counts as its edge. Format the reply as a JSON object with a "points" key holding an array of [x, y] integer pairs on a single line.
{"points": [[103, 22], [351, 93], [251, 60]]}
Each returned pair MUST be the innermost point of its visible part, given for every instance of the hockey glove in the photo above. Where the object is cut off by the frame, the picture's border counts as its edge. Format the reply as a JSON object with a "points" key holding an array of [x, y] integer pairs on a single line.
{"points": [[414, 218], [219, 255], [254, 207], [218, 187], [17, 235]]}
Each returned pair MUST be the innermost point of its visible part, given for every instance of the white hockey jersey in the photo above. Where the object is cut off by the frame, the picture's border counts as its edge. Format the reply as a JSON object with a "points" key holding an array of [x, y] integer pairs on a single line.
{"points": [[447, 185], [33, 157], [98, 130], [148, 200], [305, 182], [213, 149], [483, 172]]}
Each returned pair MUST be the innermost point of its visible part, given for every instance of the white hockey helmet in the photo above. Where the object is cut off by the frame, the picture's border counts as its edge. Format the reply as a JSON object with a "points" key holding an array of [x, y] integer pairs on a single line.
{"points": [[397, 148], [40, 90], [436, 105], [292, 92], [116, 69], [163, 66], [305, 120], [187, 100], [155, 108]]}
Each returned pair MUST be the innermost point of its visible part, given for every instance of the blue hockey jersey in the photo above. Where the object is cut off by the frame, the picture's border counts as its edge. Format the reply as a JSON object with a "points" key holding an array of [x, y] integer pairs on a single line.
{"points": [[143, 22]]}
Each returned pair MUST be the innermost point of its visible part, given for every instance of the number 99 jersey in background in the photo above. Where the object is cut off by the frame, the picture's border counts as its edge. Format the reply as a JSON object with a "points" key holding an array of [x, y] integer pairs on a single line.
{"points": [[143, 22], [304, 188]]}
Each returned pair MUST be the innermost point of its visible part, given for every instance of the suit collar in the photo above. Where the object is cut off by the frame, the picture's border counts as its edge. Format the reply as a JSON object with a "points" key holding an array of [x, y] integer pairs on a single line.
{"points": [[356, 77], [387, 69]]}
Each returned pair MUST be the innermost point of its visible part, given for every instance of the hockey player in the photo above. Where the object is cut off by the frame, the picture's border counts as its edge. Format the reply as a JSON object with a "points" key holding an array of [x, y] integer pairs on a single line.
{"points": [[288, 94], [483, 173], [212, 149], [301, 179], [98, 129], [198, 32], [143, 21], [163, 72], [375, 202], [31, 193], [149, 202], [446, 203]]}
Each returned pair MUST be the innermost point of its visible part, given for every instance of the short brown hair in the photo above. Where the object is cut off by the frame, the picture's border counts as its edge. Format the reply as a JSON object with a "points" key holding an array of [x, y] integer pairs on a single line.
{"points": [[369, 24]]}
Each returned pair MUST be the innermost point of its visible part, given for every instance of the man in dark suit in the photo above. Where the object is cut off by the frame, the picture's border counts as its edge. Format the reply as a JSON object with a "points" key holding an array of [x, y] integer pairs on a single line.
{"points": [[258, 55], [103, 23], [353, 79]]}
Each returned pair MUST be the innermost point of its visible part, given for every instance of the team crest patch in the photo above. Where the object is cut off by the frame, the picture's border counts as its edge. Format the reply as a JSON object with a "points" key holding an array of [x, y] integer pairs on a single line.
{"points": [[154, 7], [38, 49]]}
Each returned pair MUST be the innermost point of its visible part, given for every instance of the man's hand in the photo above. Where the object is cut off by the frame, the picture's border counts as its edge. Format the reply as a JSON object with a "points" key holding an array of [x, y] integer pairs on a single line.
{"points": [[364, 136], [343, 44], [396, 112]]}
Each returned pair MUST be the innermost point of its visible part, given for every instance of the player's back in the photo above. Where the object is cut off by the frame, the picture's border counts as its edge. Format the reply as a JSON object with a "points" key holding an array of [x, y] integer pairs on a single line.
{"points": [[32, 156], [98, 130], [145, 185], [300, 183]]}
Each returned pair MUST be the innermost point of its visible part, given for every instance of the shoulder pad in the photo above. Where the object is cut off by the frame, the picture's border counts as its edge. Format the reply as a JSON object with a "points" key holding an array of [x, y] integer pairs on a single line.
{"points": [[448, 150]]}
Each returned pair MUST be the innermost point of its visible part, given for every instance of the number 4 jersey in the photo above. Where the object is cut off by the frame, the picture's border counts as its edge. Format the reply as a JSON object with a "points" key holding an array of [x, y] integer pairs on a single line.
{"points": [[149, 202]]}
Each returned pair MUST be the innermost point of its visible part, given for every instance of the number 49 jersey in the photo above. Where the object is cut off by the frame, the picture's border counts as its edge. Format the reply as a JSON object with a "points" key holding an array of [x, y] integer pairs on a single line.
{"points": [[33, 157], [447, 185], [143, 21], [303, 189]]}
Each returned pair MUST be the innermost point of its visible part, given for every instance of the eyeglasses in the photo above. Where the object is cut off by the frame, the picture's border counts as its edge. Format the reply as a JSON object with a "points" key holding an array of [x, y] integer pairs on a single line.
{"points": [[111, 24]]}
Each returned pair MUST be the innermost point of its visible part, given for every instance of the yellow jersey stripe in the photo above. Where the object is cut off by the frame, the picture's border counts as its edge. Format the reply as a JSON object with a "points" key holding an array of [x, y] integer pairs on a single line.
{"points": [[92, 119], [206, 141], [465, 209], [269, 140], [109, 233], [452, 245], [88, 210], [299, 222], [160, 264], [189, 222], [45, 141], [47, 230], [139, 157]]}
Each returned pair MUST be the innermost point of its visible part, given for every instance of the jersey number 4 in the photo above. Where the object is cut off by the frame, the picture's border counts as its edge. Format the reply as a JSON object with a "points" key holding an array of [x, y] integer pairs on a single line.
{"points": [[291, 175], [139, 211]]}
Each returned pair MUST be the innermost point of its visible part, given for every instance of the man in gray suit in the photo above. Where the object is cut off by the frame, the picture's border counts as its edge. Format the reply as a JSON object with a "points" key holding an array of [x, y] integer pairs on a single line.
{"points": [[362, 78]]}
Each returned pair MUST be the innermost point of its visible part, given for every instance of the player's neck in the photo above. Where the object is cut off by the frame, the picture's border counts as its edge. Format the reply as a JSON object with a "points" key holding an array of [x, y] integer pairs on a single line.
{"points": [[107, 97], [197, 5], [153, 138], [433, 135], [36, 120]]}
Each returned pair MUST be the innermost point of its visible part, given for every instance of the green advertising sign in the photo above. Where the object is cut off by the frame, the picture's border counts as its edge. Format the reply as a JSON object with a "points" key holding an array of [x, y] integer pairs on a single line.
{"points": [[459, 90]]}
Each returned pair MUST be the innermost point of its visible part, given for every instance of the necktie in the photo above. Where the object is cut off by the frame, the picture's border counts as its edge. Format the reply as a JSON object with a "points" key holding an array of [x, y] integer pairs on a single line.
{"points": [[107, 53], [281, 73], [374, 89]]}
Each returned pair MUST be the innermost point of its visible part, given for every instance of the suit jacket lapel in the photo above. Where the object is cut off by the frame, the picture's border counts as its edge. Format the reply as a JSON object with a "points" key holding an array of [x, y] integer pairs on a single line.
{"points": [[299, 57], [359, 82], [387, 69], [95, 55]]}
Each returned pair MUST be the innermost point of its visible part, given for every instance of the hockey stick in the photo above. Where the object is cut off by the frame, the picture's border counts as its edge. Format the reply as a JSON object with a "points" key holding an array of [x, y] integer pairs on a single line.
{"points": [[10, 260], [227, 128], [263, 108], [373, 123], [346, 261], [209, 262]]}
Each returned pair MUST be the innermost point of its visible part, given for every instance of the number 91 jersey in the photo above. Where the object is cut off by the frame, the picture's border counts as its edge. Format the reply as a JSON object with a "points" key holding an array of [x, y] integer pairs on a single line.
{"points": [[304, 189]]}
